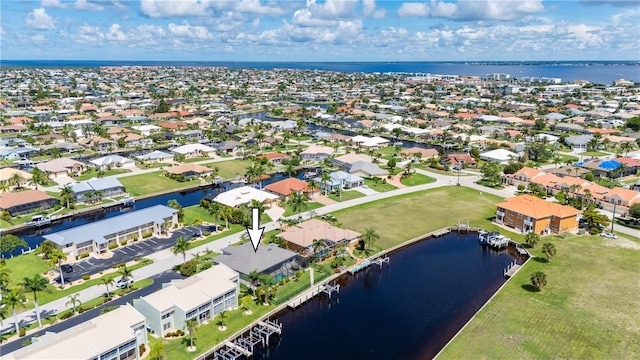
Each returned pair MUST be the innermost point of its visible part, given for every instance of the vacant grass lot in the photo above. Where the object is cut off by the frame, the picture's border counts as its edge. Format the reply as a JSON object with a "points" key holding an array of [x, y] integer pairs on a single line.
{"points": [[379, 186], [401, 218], [153, 182], [346, 195], [588, 310], [311, 205], [417, 179], [94, 174], [229, 169]]}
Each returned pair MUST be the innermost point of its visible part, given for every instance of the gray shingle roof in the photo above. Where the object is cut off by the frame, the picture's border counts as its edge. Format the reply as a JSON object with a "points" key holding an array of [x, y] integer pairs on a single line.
{"points": [[244, 260]]}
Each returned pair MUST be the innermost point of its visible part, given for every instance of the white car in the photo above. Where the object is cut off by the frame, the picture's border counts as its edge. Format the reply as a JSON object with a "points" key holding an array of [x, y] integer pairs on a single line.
{"points": [[609, 235], [124, 282]]}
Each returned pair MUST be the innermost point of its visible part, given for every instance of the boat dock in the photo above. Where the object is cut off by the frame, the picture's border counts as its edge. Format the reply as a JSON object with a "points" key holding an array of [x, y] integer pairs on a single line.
{"points": [[493, 239], [245, 344], [359, 267], [311, 293], [511, 270]]}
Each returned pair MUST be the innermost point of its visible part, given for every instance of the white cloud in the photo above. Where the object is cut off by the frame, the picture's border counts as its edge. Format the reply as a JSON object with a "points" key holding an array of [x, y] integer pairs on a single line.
{"points": [[115, 34], [188, 31], [88, 34], [175, 8], [332, 9], [53, 4], [369, 9], [86, 5], [251, 7], [410, 9], [40, 20], [616, 3], [472, 9], [118, 5], [38, 38]]}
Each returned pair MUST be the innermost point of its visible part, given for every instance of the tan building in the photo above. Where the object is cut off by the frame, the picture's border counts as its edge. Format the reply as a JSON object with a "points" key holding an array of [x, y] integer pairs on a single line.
{"points": [[527, 213], [300, 237]]}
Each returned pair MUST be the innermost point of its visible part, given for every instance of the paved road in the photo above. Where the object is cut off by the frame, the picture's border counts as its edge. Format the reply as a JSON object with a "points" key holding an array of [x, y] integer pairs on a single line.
{"points": [[165, 260], [159, 279]]}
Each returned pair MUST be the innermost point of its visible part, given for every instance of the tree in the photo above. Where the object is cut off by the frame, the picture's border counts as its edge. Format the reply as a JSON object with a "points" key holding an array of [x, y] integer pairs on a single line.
{"points": [[548, 250], [106, 281], [298, 202], [56, 257], [35, 285], [222, 320], [157, 351], [16, 180], [10, 242], [67, 196], [126, 273], [244, 304], [46, 247], [260, 205], [312, 185], [368, 238], [174, 204], [38, 177], [181, 246], [532, 239], [191, 325], [15, 300], [325, 178], [197, 222], [492, 173], [634, 211], [318, 245], [392, 163], [594, 220], [5, 278], [538, 280], [74, 301], [634, 123], [215, 210]]}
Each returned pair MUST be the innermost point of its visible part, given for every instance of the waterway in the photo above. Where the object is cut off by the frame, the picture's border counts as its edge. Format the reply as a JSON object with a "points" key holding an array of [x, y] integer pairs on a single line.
{"points": [[407, 310], [33, 237]]}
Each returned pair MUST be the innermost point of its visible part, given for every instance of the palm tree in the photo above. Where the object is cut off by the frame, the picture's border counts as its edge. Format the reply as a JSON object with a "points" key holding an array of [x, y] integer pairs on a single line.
{"points": [[538, 280], [5, 278], [191, 325], [38, 177], [16, 180], [317, 245], [126, 273], [261, 206], [4, 186], [298, 202], [244, 304], [222, 319], [626, 146], [106, 281], [35, 285], [197, 222], [548, 250], [227, 212], [312, 186], [157, 351], [56, 257], [67, 196], [254, 277], [368, 238], [181, 246], [325, 178], [14, 299], [74, 301], [215, 210], [531, 239]]}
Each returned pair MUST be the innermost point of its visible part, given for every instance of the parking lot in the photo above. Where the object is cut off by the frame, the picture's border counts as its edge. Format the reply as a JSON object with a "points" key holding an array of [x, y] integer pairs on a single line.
{"points": [[133, 251]]}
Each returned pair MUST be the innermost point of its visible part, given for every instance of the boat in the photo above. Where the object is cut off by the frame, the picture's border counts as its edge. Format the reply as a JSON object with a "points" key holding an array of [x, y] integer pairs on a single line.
{"points": [[398, 143], [38, 220], [310, 174]]}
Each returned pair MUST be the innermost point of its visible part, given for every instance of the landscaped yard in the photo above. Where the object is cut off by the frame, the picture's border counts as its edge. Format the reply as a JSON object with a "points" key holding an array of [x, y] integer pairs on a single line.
{"points": [[310, 206], [94, 174], [417, 179], [153, 182], [595, 153], [229, 169], [588, 310], [379, 186], [345, 195]]}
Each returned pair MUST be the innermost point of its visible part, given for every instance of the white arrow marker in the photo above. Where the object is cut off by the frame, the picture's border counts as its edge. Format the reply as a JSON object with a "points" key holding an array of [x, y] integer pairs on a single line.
{"points": [[256, 233]]}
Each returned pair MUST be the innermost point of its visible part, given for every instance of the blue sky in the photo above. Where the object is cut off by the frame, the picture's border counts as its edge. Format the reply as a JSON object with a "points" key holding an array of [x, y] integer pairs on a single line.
{"points": [[320, 30]]}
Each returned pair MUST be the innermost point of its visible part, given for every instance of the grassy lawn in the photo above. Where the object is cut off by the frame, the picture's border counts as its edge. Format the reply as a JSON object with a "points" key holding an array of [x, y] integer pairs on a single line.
{"points": [[379, 186], [585, 311], [151, 183], [564, 158], [401, 218], [595, 153], [346, 195], [310, 206], [229, 169], [632, 180], [417, 179], [94, 174]]}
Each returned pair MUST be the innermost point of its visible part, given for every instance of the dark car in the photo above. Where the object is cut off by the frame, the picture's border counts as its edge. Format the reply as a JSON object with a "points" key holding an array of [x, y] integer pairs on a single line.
{"points": [[66, 268]]}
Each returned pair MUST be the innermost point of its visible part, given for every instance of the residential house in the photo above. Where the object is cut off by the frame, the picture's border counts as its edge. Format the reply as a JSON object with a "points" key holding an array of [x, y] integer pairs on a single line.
{"points": [[108, 187], [229, 147], [300, 237], [527, 213], [284, 188], [194, 150], [190, 170], [316, 153], [117, 334], [244, 195], [24, 202], [113, 161], [7, 173], [268, 259], [274, 157], [366, 169], [202, 297], [156, 156], [500, 156], [424, 154], [459, 160], [578, 142], [98, 236], [340, 180], [62, 166]]}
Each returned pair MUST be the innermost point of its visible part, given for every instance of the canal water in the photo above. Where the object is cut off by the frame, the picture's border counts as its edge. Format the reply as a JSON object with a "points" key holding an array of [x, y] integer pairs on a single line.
{"points": [[409, 309], [33, 236]]}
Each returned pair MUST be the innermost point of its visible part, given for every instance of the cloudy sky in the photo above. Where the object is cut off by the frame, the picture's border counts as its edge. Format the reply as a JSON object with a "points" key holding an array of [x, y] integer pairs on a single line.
{"points": [[320, 30]]}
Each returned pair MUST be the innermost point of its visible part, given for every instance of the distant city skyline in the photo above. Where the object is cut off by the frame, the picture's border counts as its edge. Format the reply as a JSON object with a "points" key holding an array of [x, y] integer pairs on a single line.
{"points": [[314, 30]]}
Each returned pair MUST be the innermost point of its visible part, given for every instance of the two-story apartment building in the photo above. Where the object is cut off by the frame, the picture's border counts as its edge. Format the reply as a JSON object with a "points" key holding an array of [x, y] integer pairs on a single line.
{"points": [[527, 213]]}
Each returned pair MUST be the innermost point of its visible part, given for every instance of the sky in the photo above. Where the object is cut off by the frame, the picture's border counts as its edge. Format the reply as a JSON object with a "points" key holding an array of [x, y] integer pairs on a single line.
{"points": [[320, 30]]}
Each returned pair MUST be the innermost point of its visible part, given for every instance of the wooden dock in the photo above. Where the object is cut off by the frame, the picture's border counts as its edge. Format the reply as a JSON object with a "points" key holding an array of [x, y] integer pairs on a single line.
{"points": [[512, 270], [304, 297]]}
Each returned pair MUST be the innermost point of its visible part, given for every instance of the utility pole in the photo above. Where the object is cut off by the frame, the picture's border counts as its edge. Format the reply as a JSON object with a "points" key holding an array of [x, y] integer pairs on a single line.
{"points": [[613, 218]]}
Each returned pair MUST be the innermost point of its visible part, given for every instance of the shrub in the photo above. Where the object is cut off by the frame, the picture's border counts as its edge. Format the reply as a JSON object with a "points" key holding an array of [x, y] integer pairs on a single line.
{"points": [[85, 255], [206, 265], [123, 242], [86, 277], [52, 320], [22, 332], [147, 235], [119, 265], [107, 309], [113, 246], [142, 349], [27, 342], [206, 233], [67, 314], [188, 268]]}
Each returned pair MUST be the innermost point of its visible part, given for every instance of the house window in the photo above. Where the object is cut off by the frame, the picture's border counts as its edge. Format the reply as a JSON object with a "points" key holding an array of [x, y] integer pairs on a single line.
{"points": [[166, 326], [167, 315]]}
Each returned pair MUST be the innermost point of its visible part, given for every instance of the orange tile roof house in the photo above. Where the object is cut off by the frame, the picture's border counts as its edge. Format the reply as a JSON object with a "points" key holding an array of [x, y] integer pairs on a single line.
{"points": [[190, 170], [274, 157], [24, 202], [528, 213], [286, 187], [300, 237]]}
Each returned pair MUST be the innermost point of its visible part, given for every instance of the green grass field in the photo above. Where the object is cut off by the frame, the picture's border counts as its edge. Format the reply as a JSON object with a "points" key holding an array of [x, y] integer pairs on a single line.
{"points": [[94, 174], [346, 195], [310, 206], [153, 182], [229, 169], [379, 186], [588, 310], [417, 179]]}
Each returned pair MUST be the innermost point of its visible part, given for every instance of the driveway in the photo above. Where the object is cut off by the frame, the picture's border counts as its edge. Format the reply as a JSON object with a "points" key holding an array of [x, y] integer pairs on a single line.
{"points": [[365, 190]]}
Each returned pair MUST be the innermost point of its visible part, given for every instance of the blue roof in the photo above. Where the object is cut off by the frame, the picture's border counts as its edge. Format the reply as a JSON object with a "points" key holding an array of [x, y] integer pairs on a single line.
{"points": [[609, 165]]}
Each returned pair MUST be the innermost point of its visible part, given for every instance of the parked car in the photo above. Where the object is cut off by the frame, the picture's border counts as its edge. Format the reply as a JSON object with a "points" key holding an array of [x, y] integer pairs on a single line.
{"points": [[124, 282], [609, 235], [66, 268]]}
